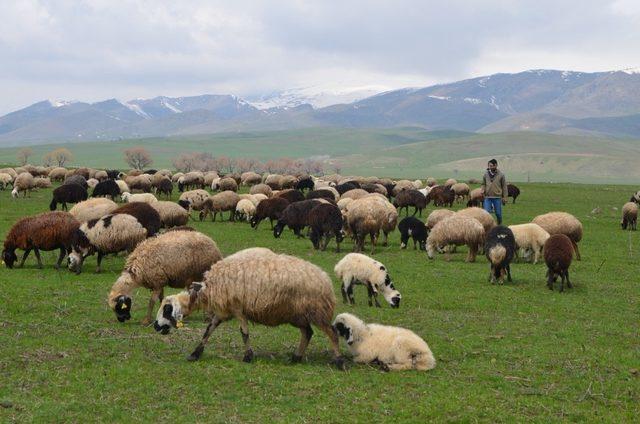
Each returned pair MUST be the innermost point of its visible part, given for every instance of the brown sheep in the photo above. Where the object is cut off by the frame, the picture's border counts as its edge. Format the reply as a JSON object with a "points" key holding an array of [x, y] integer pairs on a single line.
{"points": [[558, 253], [219, 203], [269, 208], [261, 188]]}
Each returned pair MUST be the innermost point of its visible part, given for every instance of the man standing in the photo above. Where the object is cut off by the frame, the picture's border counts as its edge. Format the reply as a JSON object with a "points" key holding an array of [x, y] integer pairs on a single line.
{"points": [[494, 186]]}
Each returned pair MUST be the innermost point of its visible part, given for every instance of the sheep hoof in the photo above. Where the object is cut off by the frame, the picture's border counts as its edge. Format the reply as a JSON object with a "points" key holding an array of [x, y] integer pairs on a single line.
{"points": [[384, 367], [296, 359], [340, 363], [196, 354], [248, 356]]}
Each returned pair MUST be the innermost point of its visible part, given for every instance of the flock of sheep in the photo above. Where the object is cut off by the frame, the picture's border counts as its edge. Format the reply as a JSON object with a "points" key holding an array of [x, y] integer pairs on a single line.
{"points": [[257, 284]]}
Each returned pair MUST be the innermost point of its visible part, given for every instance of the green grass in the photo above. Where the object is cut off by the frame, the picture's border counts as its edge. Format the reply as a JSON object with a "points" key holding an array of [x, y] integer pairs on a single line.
{"points": [[511, 353]]}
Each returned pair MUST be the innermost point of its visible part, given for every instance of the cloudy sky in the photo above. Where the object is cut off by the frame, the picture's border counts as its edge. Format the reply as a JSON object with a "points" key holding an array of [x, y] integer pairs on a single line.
{"points": [[97, 49]]}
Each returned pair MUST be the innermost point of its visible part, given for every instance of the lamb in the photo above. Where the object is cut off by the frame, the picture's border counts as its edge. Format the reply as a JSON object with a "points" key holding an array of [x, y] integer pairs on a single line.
{"points": [[57, 174], [390, 348], [436, 216], [456, 230], [499, 248], [562, 223], [629, 216], [261, 188], [67, 193], [530, 237], [274, 290], [513, 191], [23, 183], [219, 203], [174, 259], [292, 196], [5, 180], [407, 198], [171, 214], [269, 208], [191, 180], [245, 209], [461, 190], [558, 254], [326, 222], [414, 228], [95, 208], [139, 197], [107, 188], [482, 216], [109, 234], [296, 216], [356, 268], [46, 231], [144, 213]]}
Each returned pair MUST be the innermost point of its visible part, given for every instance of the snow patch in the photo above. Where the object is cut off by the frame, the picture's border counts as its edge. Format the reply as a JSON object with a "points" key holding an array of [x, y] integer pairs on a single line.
{"points": [[483, 82], [631, 71], [472, 100], [137, 109], [169, 106], [317, 96], [59, 103], [441, 97]]}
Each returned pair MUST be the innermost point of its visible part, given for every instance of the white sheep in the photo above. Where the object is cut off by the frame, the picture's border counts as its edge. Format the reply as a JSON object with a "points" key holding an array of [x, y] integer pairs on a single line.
{"points": [[245, 209], [94, 208], [456, 230], [139, 197], [530, 237], [356, 268]]}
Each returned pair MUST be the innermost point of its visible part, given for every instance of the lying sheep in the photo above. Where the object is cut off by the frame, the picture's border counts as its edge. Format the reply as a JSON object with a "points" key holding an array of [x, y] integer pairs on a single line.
{"points": [[562, 223], [219, 203], [326, 222], [500, 248], [174, 259], [390, 348], [456, 230], [530, 237], [629, 216], [356, 268], [269, 208], [46, 231], [414, 228], [245, 209], [139, 197], [271, 290], [171, 214], [558, 253], [67, 193], [93, 209]]}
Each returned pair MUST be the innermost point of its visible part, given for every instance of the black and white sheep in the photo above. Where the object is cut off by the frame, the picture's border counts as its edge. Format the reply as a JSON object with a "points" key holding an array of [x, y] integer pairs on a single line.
{"points": [[356, 268], [500, 248], [144, 213], [414, 228]]}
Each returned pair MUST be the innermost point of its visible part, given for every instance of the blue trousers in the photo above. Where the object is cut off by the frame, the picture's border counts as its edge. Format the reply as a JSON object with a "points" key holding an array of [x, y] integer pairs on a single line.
{"points": [[492, 204]]}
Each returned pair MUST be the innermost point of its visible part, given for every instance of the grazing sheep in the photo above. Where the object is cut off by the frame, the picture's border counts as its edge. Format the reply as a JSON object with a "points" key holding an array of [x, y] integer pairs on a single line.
{"points": [[123, 187], [5, 180], [436, 216], [164, 186], [326, 222], [250, 178], [42, 182], [292, 196], [456, 230], [219, 203], [141, 183], [176, 177], [368, 216], [269, 208], [24, 183], [558, 254], [227, 184], [46, 231], [562, 223], [10, 171], [261, 188], [461, 190], [76, 179], [171, 214], [320, 194], [500, 248], [288, 182], [482, 216], [139, 197], [441, 196], [269, 290], [414, 228], [93, 209], [450, 182], [407, 198], [106, 188], [174, 259], [191, 180], [296, 216], [194, 200], [144, 213], [530, 237], [390, 348], [273, 181], [245, 209], [57, 174], [629, 216], [109, 234], [513, 191], [305, 183], [67, 193], [250, 197], [356, 268], [476, 197]]}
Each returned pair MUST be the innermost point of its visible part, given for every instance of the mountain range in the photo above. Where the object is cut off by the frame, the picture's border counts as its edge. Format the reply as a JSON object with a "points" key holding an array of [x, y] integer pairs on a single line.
{"points": [[560, 102]]}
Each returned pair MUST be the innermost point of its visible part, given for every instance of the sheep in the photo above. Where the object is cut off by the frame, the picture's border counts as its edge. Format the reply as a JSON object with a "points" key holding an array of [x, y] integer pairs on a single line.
{"points": [[436, 216], [138, 197], [441, 196], [5, 180], [122, 186], [107, 188], [269, 208], [513, 191], [228, 184], [67, 193], [414, 228], [245, 209], [23, 183], [530, 237], [417, 184], [141, 183], [288, 182], [326, 222], [482, 216], [171, 214], [343, 204], [558, 254], [101, 175], [164, 186], [84, 172], [456, 230], [292, 196], [562, 223], [356, 268], [407, 198], [320, 194], [343, 188], [368, 216], [9, 171], [219, 203], [144, 213], [431, 182], [401, 186], [41, 182], [92, 209], [305, 183], [500, 248], [390, 348], [250, 178], [450, 182], [194, 200], [270, 290], [252, 252], [629, 216], [209, 177], [250, 197], [174, 259], [461, 190], [375, 188], [273, 181], [476, 197], [234, 176], [109, 234], [92, 182], [113, 174], [76, 179], [46, 231], [261, 188], [176, 177], [296, 216]]}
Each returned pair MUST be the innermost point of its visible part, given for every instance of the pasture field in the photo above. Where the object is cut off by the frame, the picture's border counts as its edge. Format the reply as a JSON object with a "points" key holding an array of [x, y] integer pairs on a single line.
{"points": [[510, 353]]}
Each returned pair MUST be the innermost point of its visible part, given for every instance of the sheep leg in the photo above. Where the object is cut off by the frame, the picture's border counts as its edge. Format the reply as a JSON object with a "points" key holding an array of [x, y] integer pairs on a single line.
{"points": [[372, 294], [156, 296], [37, 253], [98, 268], [244, 330], [326, 241], [213, 324], [352, 299], [536, 254], [575, 247], [509, 274], [24, 257], [473, 251], [305, 337], [332, 334], [385, 241], [550, 279], [63, 253], [344, 294], [566, 274]]}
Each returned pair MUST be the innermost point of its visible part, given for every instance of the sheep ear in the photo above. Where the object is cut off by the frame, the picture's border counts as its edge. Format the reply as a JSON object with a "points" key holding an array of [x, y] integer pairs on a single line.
{"points": [[196, 287], [382, 268]]}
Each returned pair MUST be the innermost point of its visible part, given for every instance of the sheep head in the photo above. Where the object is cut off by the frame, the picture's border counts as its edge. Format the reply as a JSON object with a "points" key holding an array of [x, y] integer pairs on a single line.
{"points": [[175, 307], [391, 295], [9, 257]]}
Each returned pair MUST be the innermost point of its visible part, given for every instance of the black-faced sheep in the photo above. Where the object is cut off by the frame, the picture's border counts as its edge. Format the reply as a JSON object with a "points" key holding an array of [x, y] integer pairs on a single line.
{"points": [[295, 216], [93, 209], [629, 216], [407, 198], [224, 201], [67, 193], [46, 231], [269, 208], [292, 196], [414, 228], [356, 268], [269, 290], [530, 237], [326, 222], [562, 223], [174, 259], [500, 248], [456, 230], [513, 192], [305, 184], [106, 188], [558, 253], [171, 214], [245, 209], [390, 348], [144, 213]]}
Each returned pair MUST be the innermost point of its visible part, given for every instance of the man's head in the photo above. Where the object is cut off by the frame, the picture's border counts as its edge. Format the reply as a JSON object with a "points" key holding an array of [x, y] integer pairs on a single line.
{"points": [[492, 164]]}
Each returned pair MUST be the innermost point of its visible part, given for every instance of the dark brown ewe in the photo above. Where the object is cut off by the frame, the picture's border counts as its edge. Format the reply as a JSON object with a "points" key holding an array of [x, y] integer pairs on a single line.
{"points": [[326, 222], [558, 254], [269, 208]]}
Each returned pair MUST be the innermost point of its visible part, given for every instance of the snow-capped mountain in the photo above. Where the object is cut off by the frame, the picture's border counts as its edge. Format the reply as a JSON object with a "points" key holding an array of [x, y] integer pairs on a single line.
{"points": [[318, 96]]}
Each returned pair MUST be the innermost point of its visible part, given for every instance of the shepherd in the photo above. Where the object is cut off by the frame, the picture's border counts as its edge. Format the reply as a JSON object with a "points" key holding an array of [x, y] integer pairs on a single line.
{"points": [[494, 187]]}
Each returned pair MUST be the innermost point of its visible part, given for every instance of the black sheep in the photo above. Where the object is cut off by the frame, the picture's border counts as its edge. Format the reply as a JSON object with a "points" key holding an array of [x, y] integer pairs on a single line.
{"points": [[146, 215], [326, 222], [414, 228], [106, 188], [407, 198], [513, 191], [112, 173], [349, 185], [296, 216], [269, 208], [558, 254], [305, 184], [165, 186], [321, 194], [76, 179], [500, 248], [67, 193], [291, 195]]}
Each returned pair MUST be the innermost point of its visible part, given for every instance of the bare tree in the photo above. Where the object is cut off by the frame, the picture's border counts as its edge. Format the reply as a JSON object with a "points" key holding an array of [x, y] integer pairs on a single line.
{"points": [[24, 154], [47, 160], [137, 157], [61, 156]]}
